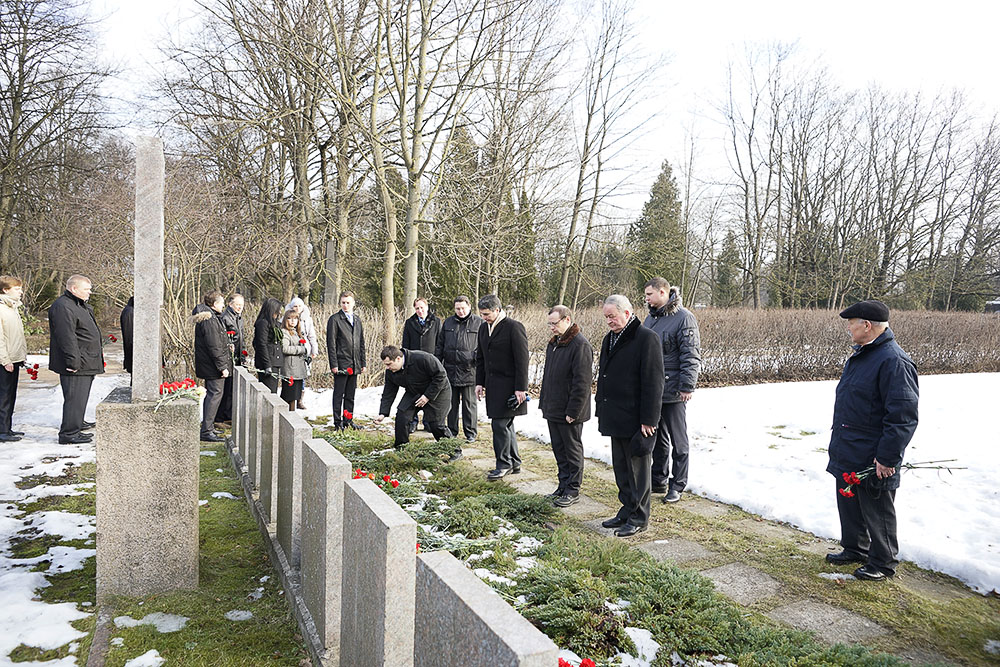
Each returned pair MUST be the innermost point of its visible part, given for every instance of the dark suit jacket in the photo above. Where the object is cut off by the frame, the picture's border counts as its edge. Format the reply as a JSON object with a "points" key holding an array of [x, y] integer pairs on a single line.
{"points": [[423, 338], [74, 337], [502, 366], [629, 382], [345, 345], [421, 374]]}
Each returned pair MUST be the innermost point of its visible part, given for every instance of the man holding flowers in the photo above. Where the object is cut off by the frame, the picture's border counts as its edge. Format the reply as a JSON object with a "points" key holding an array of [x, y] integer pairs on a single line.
{"points": [[874, 418]]}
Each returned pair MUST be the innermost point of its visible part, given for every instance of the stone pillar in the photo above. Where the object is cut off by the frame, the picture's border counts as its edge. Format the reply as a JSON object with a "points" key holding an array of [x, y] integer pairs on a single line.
{"points": [[324, 471], [147, 496], [462, 621], [271, 408], [148, 269], [255, 407], [293, 431], [241, 384], [376, 618]]}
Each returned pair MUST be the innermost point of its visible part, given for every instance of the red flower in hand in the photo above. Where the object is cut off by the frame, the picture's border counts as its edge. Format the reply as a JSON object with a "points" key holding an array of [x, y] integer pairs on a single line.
{"points": [[587, 662], [231, 332], [350, 371], [348, 414], [302, 341], [290, 382], [847, 493], [113, 339], [854, 478], [244, 353]]}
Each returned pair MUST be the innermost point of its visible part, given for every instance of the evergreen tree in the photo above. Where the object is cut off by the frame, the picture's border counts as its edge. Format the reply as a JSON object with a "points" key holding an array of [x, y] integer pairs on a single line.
{"points": [[658, 235], [727, 290]]}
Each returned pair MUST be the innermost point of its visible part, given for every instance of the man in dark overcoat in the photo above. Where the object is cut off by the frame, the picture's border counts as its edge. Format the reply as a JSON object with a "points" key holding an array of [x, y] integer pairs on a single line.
{"points": [[456, 348], [126, 320], [345, 347], [565, 400], [425, 385], [680, 342], [75, 353], [874, 418], [213, 361], [420, 332], [502, 377], [232, 318], [629, 395]]}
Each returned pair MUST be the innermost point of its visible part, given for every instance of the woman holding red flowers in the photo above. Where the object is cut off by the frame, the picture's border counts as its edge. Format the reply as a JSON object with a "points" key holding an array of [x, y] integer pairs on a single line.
{"points": [[13, 352], [294, 348]]}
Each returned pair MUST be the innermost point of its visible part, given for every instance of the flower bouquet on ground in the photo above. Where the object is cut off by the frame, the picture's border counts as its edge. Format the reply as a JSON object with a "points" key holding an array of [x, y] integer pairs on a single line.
{"points": [[186, 388], [856, 478]]}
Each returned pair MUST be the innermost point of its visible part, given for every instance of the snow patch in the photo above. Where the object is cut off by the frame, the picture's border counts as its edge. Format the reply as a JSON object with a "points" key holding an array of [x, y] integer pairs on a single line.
{"points": [[224, 494], [485, 574], [238, 615], [992, 646], [207, 452], [117, 641], [150, 658], [162, 622], [645, 648], [836, 576]]}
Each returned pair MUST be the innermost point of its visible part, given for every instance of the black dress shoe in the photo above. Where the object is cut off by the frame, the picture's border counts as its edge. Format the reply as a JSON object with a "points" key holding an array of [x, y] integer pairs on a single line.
{"points": [[78, 440], [613, 522], [844, 558], [17, 432], [555, 494], [566, 500], [871, 573], [497, 473], [455, 455], [672, 496], [211, 437], [88, 425], [516, 470], [658, 488], [9, 437], [628, 530]]}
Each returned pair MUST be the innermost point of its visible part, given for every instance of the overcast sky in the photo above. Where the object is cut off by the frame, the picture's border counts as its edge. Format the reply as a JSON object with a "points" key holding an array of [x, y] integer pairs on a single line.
{"points": [[912, 45]]}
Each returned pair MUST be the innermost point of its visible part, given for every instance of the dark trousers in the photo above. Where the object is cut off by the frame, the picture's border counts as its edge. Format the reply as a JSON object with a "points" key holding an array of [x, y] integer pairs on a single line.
{"points": [[76, 392], [434, 421], [210, 405], [868, 525], [671, 434], [225, 412], [470, 407], [268, 380], [8, 394], [567, 445], [505, 444], [344, 387], [633, 477]]}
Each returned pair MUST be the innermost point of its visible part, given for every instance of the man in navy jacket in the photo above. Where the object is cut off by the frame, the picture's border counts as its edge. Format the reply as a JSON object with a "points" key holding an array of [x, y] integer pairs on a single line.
{"points": [[874, 417]]}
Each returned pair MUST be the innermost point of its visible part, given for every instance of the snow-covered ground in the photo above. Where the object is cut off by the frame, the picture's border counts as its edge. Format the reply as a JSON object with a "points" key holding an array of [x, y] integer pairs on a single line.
{"points": [[24, 620], [763, 448]]}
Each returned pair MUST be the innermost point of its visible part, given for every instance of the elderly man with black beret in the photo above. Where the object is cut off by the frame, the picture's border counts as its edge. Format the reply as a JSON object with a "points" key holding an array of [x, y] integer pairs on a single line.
{"points": [[874, 417]]}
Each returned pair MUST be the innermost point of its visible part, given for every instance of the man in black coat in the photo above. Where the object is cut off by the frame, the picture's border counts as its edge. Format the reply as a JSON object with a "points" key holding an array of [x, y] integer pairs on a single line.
{"points": [[126, 320], [874, 418], [75, 354], [213, 361], [456, 348], [232, 318], [629, 394], [425, 385], [681, 345], [345, 346], [420, 332], [502, 377], [565, 400]]}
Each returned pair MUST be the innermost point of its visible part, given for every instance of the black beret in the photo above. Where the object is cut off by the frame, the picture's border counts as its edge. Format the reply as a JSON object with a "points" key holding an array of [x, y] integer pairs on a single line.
{"points": [[873, 311]]}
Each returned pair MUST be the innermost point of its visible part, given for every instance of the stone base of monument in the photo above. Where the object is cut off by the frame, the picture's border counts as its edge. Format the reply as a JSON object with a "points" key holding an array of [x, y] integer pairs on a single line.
{"points": [[147, 496]]}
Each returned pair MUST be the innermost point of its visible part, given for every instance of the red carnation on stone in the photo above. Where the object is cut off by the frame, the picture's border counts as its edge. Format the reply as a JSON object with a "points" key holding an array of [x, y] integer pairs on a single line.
{"points": [[35, 367], [587, 662]]}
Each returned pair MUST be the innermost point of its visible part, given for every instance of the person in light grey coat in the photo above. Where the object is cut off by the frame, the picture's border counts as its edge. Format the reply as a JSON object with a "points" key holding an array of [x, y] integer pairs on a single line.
{"points": [[680, 341], [294, 351]]}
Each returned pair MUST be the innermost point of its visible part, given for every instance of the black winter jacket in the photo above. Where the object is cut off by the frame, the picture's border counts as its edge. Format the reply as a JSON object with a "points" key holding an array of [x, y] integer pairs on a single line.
{"points": [[456, 348], [74, 337], [421, 374], [211, 344], [234, 322], [266, 345], [421, 337], [126, 320], [875, 414], [345, 345], [566, 380], [629, 382], [502, 366], [681, 344]]}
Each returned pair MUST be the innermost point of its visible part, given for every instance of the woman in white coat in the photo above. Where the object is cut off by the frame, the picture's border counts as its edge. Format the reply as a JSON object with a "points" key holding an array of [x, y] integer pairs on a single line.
{"points": [[309, 333]]}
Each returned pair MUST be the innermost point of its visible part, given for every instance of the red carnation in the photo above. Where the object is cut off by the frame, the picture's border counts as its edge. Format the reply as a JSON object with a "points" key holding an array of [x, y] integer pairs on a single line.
{"points": [[35, 367], [587, 662], [290, 382], [350, 371], [112, 337], [231, 332], [418, 551], [395, 483], [302, 341], [244, 353], [847, 493], [385, 478], [348, 414]]}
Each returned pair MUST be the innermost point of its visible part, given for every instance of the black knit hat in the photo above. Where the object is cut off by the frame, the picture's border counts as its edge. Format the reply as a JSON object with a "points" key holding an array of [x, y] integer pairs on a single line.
{"points": [[873, 311]]}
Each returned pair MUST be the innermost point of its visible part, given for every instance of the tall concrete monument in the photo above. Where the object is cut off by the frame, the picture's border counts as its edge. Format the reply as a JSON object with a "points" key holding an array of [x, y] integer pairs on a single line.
{"points": [[147, 450]]}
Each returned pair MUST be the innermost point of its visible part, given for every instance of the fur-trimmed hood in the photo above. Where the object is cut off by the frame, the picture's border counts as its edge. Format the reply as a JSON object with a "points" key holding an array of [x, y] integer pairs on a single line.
{"points": [[567, 336], [200, 313], [672, 305]]}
